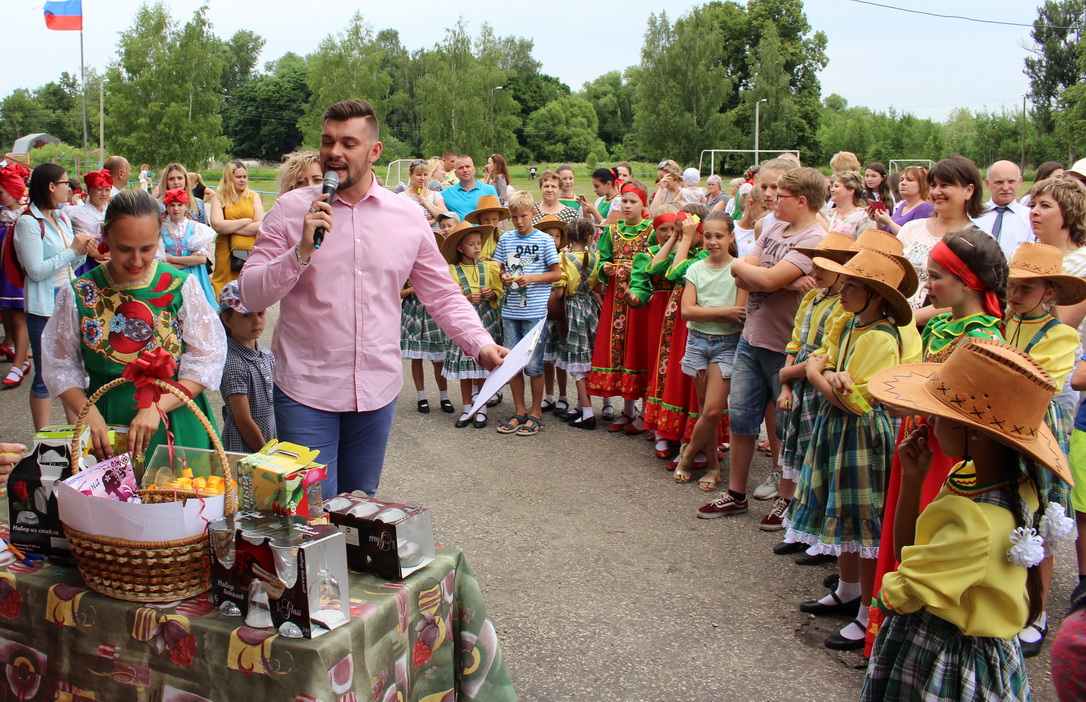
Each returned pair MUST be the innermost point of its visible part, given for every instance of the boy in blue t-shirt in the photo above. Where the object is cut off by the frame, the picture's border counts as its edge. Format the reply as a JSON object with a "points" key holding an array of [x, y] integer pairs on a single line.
{"points": [[529, 264]]}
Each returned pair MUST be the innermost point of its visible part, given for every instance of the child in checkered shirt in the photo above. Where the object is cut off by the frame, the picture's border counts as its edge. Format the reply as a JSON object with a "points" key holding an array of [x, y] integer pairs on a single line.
{"points": [[248, 415]]}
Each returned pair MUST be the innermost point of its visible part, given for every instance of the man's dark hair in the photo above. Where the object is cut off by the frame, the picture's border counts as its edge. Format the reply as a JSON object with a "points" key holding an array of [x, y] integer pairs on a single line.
{"points": [[349, 109]]}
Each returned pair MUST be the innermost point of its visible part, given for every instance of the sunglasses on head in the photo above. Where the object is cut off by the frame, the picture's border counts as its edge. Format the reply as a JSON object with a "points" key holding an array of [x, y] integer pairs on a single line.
{"points": [[662, 164]]}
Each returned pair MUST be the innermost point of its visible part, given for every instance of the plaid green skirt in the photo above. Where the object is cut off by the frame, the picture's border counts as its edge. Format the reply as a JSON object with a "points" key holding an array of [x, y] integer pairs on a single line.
{"points": [[552, 344], [806, 401], [420, 336], [459, 365], [575, 350], [842, 485], [919, 656], [1051, 487]]}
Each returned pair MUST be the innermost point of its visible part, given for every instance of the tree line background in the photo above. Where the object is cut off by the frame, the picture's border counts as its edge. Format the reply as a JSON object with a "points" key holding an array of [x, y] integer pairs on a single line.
{"points": [[179, 92]]}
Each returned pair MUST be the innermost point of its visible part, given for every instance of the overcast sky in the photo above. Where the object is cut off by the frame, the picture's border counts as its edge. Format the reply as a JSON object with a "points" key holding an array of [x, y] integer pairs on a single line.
{"points": [[878, 57]]}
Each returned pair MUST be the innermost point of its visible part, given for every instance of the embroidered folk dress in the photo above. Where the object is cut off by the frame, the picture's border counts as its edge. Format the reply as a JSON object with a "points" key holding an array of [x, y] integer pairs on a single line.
{"points": [[188, 239], [99, 327], [618, 245]]}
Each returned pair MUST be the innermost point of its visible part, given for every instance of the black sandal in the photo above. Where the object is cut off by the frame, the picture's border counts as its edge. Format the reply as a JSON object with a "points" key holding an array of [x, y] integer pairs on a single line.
{"points": [[424, 407]]}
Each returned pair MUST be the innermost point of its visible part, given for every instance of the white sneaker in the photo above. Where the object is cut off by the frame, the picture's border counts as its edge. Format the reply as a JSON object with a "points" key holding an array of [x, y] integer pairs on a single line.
{"points": [[768, 489]]}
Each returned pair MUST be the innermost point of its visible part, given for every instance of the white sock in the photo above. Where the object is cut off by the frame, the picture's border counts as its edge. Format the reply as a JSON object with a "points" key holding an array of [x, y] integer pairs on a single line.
{"points": [[548, 398], [853, 632], [1031, 635], [481, 414], [421, 395], [606, 402], [629, 408], [846, 591], [563, 398], [662, 445], [466, 409], [586, 412], [811, 550], [862, 615], [464, 416], [443, 394]]}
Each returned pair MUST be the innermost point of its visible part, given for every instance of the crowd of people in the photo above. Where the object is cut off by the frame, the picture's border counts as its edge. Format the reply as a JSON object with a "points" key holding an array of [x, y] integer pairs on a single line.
{"points": [[910, 352]]}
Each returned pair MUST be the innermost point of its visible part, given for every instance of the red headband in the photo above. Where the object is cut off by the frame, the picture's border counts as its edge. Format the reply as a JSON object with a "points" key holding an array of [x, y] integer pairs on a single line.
{"points": [[13, 180], [669, 217], [175, 195], [949, 262], [632, 188], [99, 179]]}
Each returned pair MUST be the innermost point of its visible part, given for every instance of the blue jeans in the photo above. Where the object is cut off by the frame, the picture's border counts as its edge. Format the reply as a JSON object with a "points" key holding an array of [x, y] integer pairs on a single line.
{"points": [[513, 330], [360, 437], [756, 382], [34, 326]]}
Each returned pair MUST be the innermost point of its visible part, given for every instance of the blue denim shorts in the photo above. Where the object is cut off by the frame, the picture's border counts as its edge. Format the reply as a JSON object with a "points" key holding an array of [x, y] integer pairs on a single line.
{"points": [[756, 382], [702, 350], [513, 330]]}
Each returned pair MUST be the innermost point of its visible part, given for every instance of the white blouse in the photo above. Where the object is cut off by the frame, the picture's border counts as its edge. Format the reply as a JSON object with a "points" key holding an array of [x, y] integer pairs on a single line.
{"points": [[201, 332]]}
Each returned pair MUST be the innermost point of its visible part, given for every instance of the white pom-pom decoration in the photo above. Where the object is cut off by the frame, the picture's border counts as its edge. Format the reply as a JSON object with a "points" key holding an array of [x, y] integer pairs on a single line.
{"points": [[1027, 549], [1055, 525]]}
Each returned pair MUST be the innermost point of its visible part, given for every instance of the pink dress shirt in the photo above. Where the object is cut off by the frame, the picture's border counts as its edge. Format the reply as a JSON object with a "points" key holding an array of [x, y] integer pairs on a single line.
{"points": [[337, 342]]}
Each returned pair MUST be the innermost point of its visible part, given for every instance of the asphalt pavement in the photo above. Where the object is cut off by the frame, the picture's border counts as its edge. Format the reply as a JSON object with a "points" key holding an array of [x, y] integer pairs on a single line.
{"points": [[601, 582]]}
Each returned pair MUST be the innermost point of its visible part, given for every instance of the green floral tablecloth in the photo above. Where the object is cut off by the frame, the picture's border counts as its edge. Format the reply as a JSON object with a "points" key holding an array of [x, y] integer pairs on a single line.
{"points": [[427, 638]]}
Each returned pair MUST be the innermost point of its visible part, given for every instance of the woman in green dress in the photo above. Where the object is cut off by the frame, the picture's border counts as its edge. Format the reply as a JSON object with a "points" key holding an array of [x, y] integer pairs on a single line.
{"points": [[112, 314]]}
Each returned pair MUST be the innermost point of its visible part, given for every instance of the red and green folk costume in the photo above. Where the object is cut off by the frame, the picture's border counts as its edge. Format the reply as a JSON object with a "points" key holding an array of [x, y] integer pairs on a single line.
{"points": [[941, 336], [118, 322], [618, 245], [651, 288]]}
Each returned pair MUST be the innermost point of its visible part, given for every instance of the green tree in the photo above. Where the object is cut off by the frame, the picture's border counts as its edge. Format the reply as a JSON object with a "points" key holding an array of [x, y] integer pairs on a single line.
{"points": [[613, 100], [682, 87], [779, 117], [163, 91], [344, 66], [564, 130], [1055, 65], [240, 54], [462, 109], [20, 114], [262, 119]]}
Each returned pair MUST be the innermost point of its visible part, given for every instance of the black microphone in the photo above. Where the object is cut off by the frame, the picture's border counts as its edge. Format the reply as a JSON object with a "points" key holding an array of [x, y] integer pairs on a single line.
{"points": [[331, 184]]}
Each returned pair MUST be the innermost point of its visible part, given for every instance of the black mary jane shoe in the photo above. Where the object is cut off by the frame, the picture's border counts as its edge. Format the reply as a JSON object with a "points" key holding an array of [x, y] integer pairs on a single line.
{"points": [[461, 423], [447, 407], [570, 414], [806, 559], [786, 548], [494, 401], [547, 406], [840, 643], [424, 407], [839, 606], [479, 422], [1033, 648], [583, 423]]}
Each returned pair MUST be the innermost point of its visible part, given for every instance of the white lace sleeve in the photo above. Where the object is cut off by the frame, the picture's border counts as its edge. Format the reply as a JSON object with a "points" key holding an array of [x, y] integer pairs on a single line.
{"points": [[204, 337], [62, 355]]}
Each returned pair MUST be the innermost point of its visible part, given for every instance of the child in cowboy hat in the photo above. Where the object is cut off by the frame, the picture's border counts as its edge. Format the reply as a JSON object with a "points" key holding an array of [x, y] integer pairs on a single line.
{"points": [[1036, 285], [481, 283], [555, 229], [968, 581], [489, 212], [839, 496]]}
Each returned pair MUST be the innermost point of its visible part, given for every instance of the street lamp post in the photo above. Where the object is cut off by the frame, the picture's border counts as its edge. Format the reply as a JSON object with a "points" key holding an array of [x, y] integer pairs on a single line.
{"points": [[491, 120], [757, 128]]}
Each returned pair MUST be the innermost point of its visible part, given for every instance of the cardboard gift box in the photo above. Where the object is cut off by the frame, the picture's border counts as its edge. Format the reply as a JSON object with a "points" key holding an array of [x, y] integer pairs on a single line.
{"points": [[389, 539], [282, 478], [279, 570], [32, 507]]}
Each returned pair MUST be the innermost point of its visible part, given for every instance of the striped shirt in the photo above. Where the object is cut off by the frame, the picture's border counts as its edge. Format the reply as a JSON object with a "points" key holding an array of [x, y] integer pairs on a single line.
{"points": [[526, 255]]}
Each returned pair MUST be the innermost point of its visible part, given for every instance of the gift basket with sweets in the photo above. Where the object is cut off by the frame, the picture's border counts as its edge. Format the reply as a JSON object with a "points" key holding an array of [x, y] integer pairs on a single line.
{"points": [[145, 544]]}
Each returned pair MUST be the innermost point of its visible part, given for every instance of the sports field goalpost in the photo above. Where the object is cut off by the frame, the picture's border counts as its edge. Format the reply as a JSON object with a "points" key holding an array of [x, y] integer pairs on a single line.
{"points": [[757, 155]]}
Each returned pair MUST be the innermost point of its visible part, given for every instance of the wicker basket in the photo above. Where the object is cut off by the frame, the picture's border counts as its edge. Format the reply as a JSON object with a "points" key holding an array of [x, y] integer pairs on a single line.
{"points": [[147, 571]]}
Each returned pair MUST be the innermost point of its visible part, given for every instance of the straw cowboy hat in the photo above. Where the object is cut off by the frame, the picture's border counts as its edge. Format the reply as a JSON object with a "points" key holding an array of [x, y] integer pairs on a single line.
{"points": [[448, 247], [487, 203], [1046, 262], [882, 273], [834, 246], [552, 222], [985, 384]]}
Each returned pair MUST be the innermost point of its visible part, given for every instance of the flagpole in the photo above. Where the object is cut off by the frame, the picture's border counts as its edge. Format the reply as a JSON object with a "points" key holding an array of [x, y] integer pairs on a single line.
{"points": [[83, 89]]}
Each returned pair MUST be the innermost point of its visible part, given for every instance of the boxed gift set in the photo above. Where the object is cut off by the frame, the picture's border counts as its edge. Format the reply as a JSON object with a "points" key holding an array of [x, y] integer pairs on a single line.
{"points": [[279, 570], [389, 539], [32, 508], [282, 478]]}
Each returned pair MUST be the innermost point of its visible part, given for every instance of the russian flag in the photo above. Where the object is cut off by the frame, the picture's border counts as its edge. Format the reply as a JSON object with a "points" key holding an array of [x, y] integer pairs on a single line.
{"points": [[64, 15]]}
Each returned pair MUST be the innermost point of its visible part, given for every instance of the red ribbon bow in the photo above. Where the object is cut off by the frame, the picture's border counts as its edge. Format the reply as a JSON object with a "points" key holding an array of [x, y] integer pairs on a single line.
{"points": [[175, 195], [99, 179], [152, 365]]}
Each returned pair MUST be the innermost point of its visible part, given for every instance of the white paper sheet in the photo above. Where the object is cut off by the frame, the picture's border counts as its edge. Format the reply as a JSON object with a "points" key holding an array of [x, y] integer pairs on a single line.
{"points": [[514, 363], [133, 521]]}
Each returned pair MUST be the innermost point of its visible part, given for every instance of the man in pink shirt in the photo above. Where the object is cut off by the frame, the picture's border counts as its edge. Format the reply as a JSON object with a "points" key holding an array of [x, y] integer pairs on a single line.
{"points": [[337, 344]]}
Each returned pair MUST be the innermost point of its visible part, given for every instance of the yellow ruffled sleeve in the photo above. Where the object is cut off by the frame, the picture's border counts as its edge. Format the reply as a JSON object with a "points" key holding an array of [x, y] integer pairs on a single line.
{"points": [[805, 304], [951, 554], [831, 337], [876, 350], [1056, 352]]}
